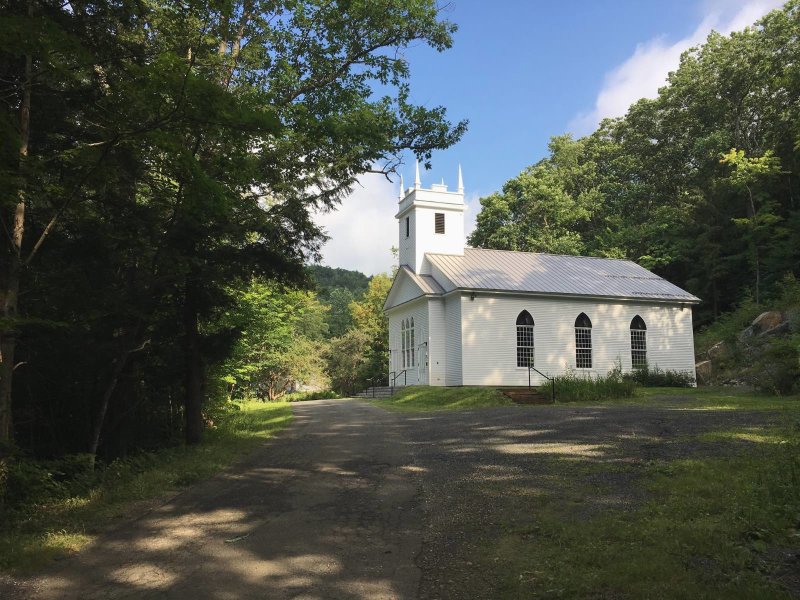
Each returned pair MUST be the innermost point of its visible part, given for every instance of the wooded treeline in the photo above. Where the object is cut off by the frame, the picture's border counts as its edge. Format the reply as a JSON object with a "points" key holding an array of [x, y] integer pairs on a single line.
{"points": [[156, 159], [701, 184], [291, 338]]}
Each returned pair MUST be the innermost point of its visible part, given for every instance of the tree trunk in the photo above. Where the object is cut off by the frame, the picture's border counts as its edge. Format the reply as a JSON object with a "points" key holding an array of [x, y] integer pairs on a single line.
{"points": [[194, 371], [751, 209], [119, 369], [8, 336]]}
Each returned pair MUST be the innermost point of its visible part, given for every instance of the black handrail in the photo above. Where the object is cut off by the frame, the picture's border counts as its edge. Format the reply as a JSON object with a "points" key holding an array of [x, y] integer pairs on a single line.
{"points": [[552, 381], [394, 379]]}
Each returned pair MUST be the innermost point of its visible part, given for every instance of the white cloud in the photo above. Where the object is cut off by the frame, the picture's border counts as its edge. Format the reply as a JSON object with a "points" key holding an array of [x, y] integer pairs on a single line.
{"points": [[472, 201], [647, 68], [362, 229]]}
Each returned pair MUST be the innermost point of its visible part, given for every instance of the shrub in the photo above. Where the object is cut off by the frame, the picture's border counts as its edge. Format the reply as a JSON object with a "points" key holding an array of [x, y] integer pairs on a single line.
{"points": [[776, 368], [30, 482], [655, 377], [727, 327], [301, 396], [574, 388]]}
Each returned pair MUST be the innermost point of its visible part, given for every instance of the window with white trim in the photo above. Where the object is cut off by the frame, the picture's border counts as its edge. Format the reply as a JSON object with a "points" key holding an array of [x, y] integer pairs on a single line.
{"points": [[411, 346], [583, 342], [638, 343], [407, 343], [525, 345], [403, 341]]}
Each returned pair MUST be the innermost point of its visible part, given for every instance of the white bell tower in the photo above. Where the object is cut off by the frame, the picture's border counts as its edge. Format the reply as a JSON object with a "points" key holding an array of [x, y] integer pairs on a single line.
{"points": [[430, 221]]}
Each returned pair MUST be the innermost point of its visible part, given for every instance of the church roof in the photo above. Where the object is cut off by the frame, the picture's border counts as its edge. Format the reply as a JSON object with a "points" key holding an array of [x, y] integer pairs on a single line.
{"points": [[426, 283], [501, 270]]}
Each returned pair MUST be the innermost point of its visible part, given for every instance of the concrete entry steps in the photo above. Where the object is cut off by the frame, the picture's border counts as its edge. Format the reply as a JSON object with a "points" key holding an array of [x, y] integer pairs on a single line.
{"points": [[528, 395]]}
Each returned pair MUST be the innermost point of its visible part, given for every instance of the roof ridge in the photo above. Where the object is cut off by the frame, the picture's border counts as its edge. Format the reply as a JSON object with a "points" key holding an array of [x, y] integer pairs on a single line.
{"points": [[544, 254]]}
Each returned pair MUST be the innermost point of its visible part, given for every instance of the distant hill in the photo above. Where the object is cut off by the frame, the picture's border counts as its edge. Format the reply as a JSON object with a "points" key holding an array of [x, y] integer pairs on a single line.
{"points": [[328, 279]]}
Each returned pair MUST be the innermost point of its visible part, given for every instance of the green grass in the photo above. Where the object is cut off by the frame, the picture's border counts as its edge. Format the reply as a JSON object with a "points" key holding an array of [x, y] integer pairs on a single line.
{"points": [[47, 531], [712, 526], [573, 388], [707, 532], [718, 398], [428, 398], [702, 398]]}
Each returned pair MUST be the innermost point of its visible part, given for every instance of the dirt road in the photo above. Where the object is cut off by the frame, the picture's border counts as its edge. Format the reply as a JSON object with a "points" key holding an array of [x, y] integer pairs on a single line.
{"points": [[354, 502]]}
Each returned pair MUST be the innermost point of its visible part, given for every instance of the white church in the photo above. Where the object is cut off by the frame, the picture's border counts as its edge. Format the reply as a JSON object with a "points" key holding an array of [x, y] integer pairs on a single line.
{"points": [[467, 316]]}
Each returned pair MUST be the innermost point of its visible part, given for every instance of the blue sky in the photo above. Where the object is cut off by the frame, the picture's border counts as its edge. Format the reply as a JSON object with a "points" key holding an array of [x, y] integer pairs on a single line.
{"points": [[522, 72]]}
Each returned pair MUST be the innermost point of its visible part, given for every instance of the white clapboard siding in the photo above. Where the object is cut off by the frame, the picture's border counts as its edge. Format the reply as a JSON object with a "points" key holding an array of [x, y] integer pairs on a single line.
{"points": [[488, 336], [418, 309], [408, 245], [437, 336], [403, 290], [453, 339]]}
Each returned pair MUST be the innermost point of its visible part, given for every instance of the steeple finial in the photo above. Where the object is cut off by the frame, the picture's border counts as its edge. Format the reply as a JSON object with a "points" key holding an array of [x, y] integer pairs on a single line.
{"points": [[402, 189], [417, 180], [460, 180]]}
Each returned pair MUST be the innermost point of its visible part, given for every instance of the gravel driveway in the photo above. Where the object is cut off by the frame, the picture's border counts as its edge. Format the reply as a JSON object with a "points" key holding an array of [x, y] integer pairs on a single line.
{"points": [[354, 502]]}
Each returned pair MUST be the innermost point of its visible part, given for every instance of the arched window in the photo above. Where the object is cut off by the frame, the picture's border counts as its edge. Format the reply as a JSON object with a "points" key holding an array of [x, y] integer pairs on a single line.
{"points": [[411, 346], [403, 341], [583, 342], [638, 343], [525, 350]]}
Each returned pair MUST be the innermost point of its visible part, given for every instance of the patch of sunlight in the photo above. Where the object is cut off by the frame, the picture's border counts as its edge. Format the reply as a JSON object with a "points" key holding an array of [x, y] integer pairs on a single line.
{"points": [[413, 469], [64, 541], [144, 575], [703, 408], [525, 432], [745, 436], [554, 448]]}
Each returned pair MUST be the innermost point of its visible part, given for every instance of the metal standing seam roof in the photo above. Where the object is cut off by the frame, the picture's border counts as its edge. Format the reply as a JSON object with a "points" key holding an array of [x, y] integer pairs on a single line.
{"points": [[426, 283], [503, 270]]}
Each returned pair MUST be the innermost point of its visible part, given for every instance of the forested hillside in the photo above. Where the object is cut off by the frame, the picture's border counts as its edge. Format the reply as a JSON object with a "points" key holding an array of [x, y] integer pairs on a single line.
{"points": [[328, 279], [338, 288], [701, 184]]}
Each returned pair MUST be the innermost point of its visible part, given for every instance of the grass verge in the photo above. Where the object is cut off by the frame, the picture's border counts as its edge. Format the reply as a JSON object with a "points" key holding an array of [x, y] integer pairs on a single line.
{"points": [[702, 398], [428, 398], [43, 532], [717, 398]]}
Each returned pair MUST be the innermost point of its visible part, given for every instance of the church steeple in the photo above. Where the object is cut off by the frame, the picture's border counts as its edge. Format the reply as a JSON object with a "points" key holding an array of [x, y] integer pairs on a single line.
{"points": [[430, 220]]}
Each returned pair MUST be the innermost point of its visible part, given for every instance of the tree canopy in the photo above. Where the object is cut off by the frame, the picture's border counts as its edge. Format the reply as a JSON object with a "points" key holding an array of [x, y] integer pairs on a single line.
{"points": [[155, 159], [699, 184]]}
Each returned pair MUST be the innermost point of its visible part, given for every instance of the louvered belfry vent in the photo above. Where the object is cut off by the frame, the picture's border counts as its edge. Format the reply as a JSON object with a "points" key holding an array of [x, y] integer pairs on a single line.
{"points": [[439, 223]]}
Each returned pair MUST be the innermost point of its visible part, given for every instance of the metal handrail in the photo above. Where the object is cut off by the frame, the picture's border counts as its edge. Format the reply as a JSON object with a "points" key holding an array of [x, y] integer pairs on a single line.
{"points": [[394, 379], [552, 381]]}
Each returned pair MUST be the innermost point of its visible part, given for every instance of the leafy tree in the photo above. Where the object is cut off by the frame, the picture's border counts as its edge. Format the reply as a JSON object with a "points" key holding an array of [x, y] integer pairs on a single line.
{"points": [[162, 158], [761, 218], [339, 318], [281, 334], [346, 359], [368, 318]]}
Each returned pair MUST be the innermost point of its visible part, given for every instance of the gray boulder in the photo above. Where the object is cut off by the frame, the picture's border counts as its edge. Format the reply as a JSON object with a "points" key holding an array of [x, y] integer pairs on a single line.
{"points": [[780, 329], [767, 320], [716, 350], [703, 370]]}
